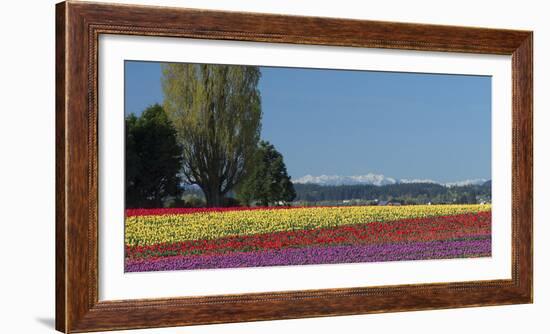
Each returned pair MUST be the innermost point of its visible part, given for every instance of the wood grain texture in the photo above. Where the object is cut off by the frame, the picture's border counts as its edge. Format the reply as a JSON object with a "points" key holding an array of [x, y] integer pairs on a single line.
{"points": [[78, 28], [60, 98]]}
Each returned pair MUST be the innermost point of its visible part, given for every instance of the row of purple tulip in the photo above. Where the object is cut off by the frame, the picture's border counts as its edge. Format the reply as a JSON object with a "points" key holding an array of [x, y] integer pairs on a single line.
{"points": [[475, 246]]}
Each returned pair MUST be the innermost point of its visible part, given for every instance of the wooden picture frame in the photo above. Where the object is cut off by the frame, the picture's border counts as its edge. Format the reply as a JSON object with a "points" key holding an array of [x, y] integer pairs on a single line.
{"points": [[78, 26]]}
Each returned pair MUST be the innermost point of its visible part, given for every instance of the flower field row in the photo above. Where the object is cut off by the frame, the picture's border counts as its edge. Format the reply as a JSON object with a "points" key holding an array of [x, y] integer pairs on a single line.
{"points": [[407, 230], [230, 238], [142, 230], [182, 211], [476, 247]]}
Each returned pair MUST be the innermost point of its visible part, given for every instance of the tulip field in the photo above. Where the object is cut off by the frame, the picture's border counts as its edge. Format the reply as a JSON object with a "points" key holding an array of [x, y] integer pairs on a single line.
{"points": [[207, 238]]}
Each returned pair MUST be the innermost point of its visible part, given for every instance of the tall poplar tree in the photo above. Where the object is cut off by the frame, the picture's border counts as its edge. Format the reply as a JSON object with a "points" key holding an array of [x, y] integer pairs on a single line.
{"points": [[216, 111]]}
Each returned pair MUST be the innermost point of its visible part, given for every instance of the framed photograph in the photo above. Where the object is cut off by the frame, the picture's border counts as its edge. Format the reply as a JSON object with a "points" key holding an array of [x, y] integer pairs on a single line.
{"points": [[223, 167]]}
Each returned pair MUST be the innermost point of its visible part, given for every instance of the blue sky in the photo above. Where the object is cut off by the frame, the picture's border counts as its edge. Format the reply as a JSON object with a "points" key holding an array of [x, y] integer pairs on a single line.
{"points": [[336, 122]]}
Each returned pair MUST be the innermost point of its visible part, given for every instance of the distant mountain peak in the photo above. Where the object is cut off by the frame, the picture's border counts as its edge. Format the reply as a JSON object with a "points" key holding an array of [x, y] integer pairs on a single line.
{"points": [[375, 179], [467, 182], [336, 180]]}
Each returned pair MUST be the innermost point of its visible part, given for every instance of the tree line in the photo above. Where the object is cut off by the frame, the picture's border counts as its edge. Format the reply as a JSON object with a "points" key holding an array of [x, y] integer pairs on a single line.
{"points": [[403, 193], [207, 134]]}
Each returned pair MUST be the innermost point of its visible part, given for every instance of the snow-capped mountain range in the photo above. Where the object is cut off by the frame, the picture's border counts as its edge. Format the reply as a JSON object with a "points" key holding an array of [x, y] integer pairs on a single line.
{"points": [[375, 179]]}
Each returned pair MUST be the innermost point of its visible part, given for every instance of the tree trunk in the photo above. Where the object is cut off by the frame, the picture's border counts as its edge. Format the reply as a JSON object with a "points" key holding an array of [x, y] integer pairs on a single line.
{"points": [[213, 198]]}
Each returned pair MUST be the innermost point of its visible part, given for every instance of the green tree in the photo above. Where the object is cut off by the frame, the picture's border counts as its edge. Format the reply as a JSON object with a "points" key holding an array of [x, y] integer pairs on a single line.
{"points": [[216, 111], [153, 159], [267, 181]]}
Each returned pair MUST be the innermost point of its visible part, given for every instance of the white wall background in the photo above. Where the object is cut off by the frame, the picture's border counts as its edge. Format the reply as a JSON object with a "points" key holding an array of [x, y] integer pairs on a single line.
{"points": [[27, 70]]}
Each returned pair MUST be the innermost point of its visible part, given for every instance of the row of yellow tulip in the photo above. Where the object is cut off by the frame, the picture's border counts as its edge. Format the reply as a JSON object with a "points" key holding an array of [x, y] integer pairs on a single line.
{"points": [[153, 229]]}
